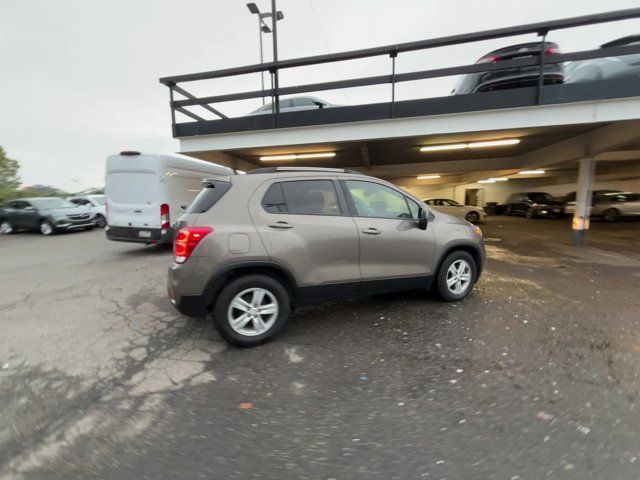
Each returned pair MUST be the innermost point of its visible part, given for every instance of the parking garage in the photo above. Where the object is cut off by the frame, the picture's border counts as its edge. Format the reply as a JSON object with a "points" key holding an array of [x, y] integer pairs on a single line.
{"points": [[476, 148]]}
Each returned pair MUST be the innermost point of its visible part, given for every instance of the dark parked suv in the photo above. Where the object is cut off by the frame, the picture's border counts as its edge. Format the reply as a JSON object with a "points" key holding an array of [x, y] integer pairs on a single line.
{"points": [[46, 215], [252, 246], [534, 204]]}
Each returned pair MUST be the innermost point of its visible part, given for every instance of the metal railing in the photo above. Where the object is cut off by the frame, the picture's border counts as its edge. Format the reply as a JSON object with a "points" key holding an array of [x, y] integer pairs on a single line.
{"points": [[273, 68]]}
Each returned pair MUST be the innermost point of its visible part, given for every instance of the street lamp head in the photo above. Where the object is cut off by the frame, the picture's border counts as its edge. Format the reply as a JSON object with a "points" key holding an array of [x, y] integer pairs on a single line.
{"points": [[279, 15], [265, 29], [253, 8]]}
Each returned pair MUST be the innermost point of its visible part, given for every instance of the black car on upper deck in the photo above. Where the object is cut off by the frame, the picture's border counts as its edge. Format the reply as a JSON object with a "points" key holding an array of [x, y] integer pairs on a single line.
{"points": [[47, 215], [512, 77]]}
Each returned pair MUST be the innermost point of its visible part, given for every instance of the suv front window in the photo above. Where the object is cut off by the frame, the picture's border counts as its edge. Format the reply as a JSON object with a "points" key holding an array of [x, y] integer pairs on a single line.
{"points": [[304, 197], [375, 200]]}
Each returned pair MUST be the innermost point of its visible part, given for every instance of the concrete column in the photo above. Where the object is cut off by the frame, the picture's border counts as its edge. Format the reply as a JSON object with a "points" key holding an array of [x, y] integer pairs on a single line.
{"points": [[584, 192]]}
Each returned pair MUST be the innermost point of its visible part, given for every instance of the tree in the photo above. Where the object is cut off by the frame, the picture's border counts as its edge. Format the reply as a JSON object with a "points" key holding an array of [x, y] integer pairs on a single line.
{"points": [[9, 180]]}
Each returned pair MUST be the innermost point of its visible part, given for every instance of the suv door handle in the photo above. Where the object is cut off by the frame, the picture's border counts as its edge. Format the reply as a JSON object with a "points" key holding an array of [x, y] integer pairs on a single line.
{"points": [[280, 224], [371, 231]]}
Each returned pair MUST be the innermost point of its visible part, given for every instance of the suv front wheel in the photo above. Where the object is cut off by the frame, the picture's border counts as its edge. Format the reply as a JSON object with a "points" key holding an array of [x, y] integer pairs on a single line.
{"points": [[251, 310], [457, 276]]}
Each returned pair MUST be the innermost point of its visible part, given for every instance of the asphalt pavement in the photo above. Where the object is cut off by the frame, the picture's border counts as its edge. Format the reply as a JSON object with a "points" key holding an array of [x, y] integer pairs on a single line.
{"points": [[534, 375]]}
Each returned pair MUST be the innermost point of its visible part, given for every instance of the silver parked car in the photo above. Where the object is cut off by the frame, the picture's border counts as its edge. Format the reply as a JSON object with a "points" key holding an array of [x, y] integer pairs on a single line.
{"points": [[613, 206], [250, 247], [470, 213], [295, 104]]}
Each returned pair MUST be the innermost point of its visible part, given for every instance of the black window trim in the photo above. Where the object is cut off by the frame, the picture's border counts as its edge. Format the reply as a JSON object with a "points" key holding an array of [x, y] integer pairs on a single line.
{"points": [[342, 205]]}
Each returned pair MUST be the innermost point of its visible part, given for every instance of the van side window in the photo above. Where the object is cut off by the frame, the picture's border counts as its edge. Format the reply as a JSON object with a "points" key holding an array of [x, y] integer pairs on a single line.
{"points": [[304, 197]]}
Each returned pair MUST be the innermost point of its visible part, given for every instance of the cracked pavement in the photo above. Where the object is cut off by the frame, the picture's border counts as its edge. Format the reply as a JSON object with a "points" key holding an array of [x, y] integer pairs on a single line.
{"points": [[535, 375]]}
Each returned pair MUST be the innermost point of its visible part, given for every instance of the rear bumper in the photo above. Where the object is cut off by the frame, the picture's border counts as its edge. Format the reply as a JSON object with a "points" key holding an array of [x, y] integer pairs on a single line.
{"points": [[156, 236], [189, 305]]}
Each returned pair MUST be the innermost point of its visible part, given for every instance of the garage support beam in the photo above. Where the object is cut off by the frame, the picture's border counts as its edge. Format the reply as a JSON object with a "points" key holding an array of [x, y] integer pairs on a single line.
{"points": [[584, 192]]}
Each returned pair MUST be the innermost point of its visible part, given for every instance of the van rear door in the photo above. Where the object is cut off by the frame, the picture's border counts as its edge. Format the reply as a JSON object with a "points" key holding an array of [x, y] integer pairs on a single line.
{"points": [[133, 198]]}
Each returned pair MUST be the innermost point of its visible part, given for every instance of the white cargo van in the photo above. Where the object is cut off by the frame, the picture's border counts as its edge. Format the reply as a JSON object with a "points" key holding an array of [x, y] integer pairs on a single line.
{"points": [[146, 193]]}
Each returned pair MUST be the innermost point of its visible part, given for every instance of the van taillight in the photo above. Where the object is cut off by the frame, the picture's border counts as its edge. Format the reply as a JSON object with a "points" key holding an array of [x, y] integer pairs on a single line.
{"points": [[165, 221], [187, 240], [489, 58]]}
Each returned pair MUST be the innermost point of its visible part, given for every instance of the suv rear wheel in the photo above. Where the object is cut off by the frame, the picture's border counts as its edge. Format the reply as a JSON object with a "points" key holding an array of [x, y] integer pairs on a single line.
{"points": [[457, 276], [251, 310], [6, 228]]}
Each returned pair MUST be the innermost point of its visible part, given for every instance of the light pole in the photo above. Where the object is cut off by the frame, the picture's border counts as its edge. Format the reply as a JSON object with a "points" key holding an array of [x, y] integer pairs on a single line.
{"points": [[264, 28]]}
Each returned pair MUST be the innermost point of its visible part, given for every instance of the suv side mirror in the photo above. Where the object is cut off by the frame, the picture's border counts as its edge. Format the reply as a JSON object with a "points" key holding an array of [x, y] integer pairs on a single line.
{"points": [[423, 220]]}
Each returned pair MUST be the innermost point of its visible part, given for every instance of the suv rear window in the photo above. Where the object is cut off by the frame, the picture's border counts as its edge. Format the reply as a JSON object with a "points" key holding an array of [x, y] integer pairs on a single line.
{"points": [[212, 191], [305, 197]]}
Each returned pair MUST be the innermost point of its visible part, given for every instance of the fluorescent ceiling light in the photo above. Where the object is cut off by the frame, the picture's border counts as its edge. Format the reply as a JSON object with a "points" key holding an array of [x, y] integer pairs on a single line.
{"points": [[427, 177], [462, 146], [494, 143], [499, 179], [450, 146], [298, 156], [532, 172], [486, 181]]}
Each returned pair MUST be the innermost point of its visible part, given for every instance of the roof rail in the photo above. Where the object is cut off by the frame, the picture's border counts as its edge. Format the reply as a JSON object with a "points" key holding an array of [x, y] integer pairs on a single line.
{"points": [[302, 169]]}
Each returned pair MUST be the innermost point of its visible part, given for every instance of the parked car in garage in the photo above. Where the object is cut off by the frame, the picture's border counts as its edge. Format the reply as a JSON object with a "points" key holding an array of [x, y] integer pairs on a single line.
{"points": [[48, 215], [534, 204], [511, 77], [626, 66], [95, 204], [614, 206], [570, 200], [295, 104], [252, 246], [470, 213]]}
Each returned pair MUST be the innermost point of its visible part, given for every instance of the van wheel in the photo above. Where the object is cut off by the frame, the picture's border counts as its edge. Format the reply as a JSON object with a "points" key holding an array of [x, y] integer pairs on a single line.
{"points": [[251, 310], [46, 228], [457, 276]]}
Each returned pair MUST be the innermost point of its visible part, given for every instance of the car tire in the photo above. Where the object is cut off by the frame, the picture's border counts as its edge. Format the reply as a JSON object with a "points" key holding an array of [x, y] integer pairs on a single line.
{"points": [[449, 292], [472, 217], [101, 222], [610, 215], [6, 228], [237, 303], [531, 213], [46, 228]]}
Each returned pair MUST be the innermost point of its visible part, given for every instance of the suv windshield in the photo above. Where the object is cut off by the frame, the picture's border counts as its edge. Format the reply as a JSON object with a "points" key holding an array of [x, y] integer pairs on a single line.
{"points": [[48, 203]]}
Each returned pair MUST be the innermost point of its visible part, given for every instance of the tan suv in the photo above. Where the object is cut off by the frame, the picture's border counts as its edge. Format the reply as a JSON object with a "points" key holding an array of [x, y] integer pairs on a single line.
{"points": [[251, 247]]}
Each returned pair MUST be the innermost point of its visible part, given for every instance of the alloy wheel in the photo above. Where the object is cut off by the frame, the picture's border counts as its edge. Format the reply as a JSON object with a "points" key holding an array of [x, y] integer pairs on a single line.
{"points": [[472, 217], [46, 228], [253, 311], [459, 276], [6, 228]]}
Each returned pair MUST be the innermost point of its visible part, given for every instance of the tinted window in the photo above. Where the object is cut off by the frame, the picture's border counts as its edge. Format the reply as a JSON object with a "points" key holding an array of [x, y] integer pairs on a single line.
{"points": [[303, 102], [208, 196], [540, 197], [306, 197], [273, 201], [375, 200]]}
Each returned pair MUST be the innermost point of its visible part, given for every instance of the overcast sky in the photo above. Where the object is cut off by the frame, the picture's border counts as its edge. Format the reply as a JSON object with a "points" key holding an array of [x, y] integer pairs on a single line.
{"points": [[79, 78]]}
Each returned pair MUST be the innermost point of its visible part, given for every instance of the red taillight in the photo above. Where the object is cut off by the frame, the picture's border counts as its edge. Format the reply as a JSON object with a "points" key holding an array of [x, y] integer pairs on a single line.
{"points": [[489, 58], [165, 221], [187, 240], [551, 50]]}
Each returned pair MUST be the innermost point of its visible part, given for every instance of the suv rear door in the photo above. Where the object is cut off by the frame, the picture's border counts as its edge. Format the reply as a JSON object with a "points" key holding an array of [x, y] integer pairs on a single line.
{"points": [[305, 226], [391, 244]]}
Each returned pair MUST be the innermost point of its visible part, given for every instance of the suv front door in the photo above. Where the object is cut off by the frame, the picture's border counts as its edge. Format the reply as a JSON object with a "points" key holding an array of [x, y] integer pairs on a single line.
{"points": [[305, 226], [391, 244]]}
